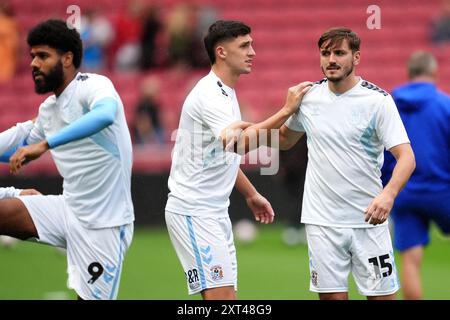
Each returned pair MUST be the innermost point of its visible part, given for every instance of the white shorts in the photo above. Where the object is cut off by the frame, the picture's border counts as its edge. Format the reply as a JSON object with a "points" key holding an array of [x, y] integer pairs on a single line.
{"points": [[94, 256], [366, 252], [206, 250]]}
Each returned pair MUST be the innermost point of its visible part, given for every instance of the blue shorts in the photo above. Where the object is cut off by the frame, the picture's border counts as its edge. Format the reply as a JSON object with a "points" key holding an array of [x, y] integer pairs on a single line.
{"points": [[412, 215]]}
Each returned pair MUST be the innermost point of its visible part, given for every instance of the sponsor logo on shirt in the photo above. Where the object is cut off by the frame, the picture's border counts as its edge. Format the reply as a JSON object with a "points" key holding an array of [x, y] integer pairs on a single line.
{"points": [[192, 278]]}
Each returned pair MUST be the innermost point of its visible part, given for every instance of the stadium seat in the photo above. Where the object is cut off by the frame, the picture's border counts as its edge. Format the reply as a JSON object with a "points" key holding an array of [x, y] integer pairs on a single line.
{"points": [[285, 34]]}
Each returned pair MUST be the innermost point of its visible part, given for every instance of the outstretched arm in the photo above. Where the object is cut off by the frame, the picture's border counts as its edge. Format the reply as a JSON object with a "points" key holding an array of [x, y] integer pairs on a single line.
{"points": [[379, 209], [29, 192], [260, 133], [9, 192], [261, 208], [230, 135], [288, 137], [101, 116], [13, 138]]}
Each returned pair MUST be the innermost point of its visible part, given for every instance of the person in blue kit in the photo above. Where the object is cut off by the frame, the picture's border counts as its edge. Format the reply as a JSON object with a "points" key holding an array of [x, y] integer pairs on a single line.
{"points": [[425, 112]]}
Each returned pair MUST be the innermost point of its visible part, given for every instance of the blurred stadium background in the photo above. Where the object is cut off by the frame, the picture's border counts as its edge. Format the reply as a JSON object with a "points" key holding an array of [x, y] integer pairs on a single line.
{"points": [[285, 34]]}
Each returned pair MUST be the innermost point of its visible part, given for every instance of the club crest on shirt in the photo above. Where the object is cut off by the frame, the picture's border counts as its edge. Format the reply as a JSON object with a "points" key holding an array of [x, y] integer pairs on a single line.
{"points": [[216, 273], [314, 278], [358, 118]]}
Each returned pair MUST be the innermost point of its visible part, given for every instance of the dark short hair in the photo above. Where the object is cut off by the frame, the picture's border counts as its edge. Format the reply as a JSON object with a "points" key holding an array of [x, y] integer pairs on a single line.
{"points": [[223, 30], [335, 36], [57, 35]]}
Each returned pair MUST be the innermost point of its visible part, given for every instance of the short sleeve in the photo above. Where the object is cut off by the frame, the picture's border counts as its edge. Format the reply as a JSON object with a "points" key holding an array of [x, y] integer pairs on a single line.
{"points": [[96, 89], [294, 123], [390, 128], [217, 113]]}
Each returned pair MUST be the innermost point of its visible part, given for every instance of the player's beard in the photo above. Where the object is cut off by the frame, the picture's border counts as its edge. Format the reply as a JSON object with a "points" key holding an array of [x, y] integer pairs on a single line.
{"points": [[51, 81], [338, 79]]}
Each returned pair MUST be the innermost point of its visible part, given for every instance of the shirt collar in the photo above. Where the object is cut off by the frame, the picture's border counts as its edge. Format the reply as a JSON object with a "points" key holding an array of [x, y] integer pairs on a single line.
{"points": [[68, 92], [346, 92]]}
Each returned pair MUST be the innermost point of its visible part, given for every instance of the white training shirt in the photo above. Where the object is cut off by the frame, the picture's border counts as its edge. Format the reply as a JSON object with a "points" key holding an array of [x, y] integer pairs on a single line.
{"points": [[97, 169], [346, 137], [9, 192], [202, 175], [14, 136]]}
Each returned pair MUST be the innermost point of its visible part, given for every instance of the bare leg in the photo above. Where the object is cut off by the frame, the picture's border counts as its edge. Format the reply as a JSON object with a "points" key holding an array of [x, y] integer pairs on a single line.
{"points": [[386, 297], [221, 293], [15, 221], [334, 296], [410, 273]]}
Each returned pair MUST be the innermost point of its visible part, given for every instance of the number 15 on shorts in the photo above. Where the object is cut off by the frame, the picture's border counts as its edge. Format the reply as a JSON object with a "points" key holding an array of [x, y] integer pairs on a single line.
{"points": [[380, 264]]}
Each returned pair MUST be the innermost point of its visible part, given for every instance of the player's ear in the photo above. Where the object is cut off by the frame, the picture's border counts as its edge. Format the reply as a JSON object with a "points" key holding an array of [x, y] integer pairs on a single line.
{"points": [[356, 57], [67, 59], [221, 52]]}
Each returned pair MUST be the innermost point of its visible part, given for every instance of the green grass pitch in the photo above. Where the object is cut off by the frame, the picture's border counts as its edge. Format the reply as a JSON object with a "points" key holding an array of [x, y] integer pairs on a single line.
{"points": [[267, 269]]}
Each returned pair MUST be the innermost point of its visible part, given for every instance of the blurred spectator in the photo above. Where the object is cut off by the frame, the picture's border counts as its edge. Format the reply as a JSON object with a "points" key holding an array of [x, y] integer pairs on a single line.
{"points": [[425, 112], [151, 26], [9, 37], [97, 33], [126, 48], [187, 24], [147, 127], [181, 32], [204, 16], [440, 32]]}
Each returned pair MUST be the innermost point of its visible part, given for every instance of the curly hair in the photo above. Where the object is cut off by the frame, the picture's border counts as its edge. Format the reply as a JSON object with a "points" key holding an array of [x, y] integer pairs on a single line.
{"points": [[57, 35]]}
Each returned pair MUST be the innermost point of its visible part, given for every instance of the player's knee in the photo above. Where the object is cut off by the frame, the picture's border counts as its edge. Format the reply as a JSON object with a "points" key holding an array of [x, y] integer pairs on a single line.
{"points": [[413, 256], [15, 220]]}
